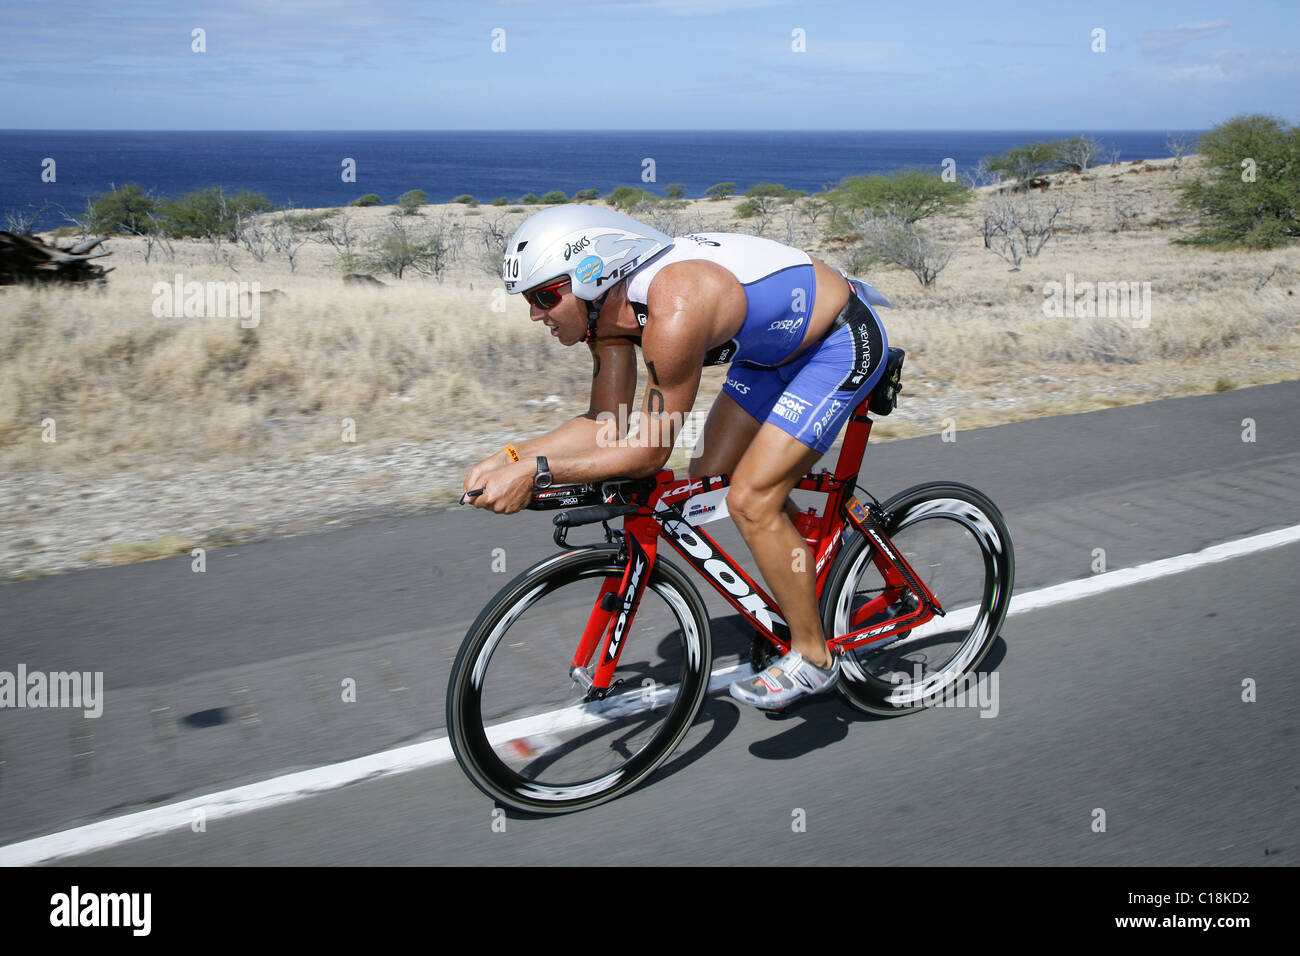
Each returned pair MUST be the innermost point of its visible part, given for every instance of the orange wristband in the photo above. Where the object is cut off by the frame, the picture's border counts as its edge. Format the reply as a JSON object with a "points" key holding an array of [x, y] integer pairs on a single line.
{"points": [[510, 450]]}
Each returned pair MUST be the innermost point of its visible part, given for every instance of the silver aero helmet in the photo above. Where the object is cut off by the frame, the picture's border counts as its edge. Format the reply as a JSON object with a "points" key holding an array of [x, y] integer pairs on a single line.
{"points": [[593, 247]]}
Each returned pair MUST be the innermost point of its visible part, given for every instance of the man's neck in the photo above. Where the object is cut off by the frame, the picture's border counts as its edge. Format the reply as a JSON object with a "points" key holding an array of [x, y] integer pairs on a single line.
{"points": [[617, 317]]}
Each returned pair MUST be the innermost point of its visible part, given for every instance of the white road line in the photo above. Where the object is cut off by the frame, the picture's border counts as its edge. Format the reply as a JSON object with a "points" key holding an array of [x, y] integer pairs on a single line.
{"points": [[1087, 587], [292, 787]]}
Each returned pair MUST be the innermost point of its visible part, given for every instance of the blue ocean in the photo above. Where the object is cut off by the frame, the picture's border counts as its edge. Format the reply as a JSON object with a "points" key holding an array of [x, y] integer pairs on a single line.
{"points": [[304, 169]]}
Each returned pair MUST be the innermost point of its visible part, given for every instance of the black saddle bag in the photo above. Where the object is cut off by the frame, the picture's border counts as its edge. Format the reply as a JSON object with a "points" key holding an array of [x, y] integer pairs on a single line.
{"points": [[885, 395]]}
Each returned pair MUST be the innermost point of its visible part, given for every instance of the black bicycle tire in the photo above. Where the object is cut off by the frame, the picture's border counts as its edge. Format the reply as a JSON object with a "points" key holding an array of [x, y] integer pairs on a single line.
{"points": [[464, 724], [872, 695]]}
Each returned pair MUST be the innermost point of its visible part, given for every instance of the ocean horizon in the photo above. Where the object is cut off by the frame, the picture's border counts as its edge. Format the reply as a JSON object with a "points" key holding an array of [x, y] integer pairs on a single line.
{"points": [[303, 168]]}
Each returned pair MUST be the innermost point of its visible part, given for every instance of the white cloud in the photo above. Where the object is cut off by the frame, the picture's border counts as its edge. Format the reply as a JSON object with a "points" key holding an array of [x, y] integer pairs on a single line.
{"points": [[1167, 41], [1230, 66]]}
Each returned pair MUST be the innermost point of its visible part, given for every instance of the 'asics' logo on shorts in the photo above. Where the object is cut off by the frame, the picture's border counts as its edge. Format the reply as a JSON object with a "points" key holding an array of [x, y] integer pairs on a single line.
{"points": [[836, 405]]}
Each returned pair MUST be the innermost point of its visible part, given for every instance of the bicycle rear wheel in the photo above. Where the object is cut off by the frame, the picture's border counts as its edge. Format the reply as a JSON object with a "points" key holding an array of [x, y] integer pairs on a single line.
{"points": [[956, 540], [518, 721]]}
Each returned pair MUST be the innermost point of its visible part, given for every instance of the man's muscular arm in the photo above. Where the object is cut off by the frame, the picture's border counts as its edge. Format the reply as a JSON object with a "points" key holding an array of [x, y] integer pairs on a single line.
{"points": [[673, 345], [674, 341], [613, 384]]}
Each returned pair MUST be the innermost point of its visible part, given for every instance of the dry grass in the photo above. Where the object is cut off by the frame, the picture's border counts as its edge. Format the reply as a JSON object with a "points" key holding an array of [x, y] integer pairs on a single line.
{"points": [[422, 359]]}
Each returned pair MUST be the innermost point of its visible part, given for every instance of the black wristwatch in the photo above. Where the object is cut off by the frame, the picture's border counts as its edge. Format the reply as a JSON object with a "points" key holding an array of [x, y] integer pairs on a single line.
{"points": [[543, 478]]}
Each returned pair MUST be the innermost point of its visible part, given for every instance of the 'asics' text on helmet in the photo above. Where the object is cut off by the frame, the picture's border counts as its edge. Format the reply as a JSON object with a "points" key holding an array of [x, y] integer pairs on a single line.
{"points": [[593, 247]]}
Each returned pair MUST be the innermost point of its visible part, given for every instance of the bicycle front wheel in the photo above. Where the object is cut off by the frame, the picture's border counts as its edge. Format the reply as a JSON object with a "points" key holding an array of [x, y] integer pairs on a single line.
{"points": [[519, 723], [956, 540]]}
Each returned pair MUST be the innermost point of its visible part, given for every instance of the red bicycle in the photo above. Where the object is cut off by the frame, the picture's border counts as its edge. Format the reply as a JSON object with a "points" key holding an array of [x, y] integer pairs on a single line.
{"points": [[585, 672]]}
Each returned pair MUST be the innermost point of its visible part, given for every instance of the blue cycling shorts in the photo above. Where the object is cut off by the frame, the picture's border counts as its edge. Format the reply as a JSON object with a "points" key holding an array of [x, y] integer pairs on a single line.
{"points": [[812, 397]]}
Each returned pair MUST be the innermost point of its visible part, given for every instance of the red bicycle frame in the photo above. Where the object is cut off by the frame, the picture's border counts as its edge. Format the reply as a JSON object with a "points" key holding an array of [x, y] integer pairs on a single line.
{"points": [[615, 606]]}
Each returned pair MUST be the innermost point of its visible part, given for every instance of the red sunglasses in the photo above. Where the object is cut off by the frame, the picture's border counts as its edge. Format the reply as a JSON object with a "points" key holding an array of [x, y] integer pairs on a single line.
{"points": [[547, 297]]}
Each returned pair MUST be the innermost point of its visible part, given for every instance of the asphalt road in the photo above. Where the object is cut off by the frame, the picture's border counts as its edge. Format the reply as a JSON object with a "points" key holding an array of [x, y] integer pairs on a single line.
{"points": [[1128, 702]]}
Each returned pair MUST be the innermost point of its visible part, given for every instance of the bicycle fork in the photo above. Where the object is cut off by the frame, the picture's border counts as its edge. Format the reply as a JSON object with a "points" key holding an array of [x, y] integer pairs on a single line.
{"points": [[611, 619], [899, 577]]}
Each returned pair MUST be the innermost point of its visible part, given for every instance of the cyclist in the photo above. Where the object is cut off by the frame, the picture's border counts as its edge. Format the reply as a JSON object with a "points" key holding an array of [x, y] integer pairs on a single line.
{"points": [[805, 349]]}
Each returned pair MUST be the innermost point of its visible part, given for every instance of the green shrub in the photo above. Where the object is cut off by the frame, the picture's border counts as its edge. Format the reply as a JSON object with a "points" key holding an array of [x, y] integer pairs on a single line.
{"points": [[720, 191], [1261, 214], [411, 201], [398, 249], [129, 209], [369, 199], [554, 196], [530, 199], [209, 212], [465, 199], [309, 221], [675, 191], [500, 201], [586, 195], [1028, 163], [762, 199], [627, 197], [910, 194]]}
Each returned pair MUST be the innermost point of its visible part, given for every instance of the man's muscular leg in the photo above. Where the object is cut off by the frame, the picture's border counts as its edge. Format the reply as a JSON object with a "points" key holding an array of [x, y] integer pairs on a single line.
{"points": [[727, 435], [758, 499]]}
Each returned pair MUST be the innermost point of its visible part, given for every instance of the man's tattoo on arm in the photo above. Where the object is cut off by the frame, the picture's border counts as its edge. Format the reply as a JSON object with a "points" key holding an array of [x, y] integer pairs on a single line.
{"points": [[595, 366], [653, 374], [653, 398]]}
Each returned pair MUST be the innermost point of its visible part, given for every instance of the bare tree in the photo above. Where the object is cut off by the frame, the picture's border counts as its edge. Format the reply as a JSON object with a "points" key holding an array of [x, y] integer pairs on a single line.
{"points": [[890, 238], [790, 214], [286, 240], [665, 215], [815, 206], [252, 236], [1180, 146], [83, 221], [155, 238], [1080, 152], [427, 247], [21, 221], [1015, 228], [1127, 212], [495, 231], [340, 233], [980, 175]]}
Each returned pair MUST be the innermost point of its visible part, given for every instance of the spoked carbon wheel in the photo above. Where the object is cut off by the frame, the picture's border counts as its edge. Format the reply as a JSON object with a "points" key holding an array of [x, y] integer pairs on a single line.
{"points": [[956, 541], [519, 723]]}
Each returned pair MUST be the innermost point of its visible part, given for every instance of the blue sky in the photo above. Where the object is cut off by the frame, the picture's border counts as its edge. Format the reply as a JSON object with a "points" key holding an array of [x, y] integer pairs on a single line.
{"points": [[647, 64]]}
